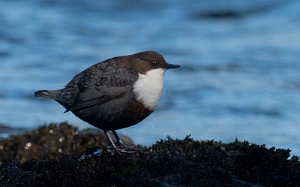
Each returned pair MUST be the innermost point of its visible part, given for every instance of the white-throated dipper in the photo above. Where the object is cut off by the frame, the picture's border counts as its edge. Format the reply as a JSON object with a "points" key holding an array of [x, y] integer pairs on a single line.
{"points": [[116, 93]]}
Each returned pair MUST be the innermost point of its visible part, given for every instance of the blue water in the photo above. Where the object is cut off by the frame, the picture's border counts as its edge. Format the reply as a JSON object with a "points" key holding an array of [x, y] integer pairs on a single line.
{"points": [[240, 75]]}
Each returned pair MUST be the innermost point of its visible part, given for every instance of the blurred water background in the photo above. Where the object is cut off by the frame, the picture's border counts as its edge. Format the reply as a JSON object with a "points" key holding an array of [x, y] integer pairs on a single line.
{"points": [[240, 75]]}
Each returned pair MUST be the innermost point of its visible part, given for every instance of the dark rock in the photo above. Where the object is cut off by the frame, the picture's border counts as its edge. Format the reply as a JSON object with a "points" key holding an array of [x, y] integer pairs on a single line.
{"points": [[7, 129], [166, 163]]}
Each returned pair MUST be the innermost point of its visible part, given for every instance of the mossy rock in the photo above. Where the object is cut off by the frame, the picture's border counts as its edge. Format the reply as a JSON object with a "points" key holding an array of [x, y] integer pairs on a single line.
{"points": [[169, 162]]}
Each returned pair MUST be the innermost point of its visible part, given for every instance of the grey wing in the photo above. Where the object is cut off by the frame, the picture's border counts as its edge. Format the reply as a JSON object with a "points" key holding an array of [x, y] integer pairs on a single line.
{"points": [[101, 84]]}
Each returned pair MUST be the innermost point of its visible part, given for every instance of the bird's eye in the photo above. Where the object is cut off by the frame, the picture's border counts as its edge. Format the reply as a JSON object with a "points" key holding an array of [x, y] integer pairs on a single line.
{"points": [[153, 62]]}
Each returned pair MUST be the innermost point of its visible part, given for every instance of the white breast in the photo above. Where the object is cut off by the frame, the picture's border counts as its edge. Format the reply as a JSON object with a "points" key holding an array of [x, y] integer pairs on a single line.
{"points": [[148, 87]]}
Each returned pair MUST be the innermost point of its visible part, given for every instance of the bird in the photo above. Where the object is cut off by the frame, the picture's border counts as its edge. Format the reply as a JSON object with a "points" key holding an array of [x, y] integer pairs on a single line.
{"points": [[116, 93]]}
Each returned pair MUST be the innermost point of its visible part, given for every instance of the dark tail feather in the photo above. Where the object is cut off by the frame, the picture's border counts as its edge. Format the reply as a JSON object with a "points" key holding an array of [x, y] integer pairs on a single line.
{"points": [[50, 94]]}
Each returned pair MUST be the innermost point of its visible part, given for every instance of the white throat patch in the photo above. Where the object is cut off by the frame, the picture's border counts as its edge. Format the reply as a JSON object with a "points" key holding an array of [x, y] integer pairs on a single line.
{"points": [[148, 87]]}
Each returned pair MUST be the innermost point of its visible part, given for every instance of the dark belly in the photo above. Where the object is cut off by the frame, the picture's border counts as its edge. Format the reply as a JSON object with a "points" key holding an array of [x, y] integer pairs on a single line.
{"points": [[115, 114]]}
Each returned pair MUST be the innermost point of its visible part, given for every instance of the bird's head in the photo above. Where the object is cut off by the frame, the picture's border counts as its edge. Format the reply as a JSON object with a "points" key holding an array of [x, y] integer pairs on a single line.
{"points": [[150, 60]]}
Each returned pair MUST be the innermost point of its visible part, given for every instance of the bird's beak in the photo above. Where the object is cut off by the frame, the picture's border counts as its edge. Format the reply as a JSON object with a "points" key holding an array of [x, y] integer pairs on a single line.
{"points": [[171, 66]]}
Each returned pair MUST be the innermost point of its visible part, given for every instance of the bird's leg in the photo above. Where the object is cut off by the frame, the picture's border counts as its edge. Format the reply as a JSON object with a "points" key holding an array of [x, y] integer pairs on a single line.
{"points": [[110, 140], [120, 142], [125, 148]]}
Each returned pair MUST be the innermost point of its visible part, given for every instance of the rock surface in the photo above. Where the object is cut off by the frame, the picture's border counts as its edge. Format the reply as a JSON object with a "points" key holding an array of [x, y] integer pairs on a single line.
{"points": [[50, 156]]}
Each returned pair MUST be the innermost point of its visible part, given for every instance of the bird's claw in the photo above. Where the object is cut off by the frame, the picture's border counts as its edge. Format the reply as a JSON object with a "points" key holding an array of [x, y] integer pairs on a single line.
{"points": [[127, 150]]}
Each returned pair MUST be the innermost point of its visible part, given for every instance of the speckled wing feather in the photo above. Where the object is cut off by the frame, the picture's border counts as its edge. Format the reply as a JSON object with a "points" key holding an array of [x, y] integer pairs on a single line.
{"points": [[98, 84]]}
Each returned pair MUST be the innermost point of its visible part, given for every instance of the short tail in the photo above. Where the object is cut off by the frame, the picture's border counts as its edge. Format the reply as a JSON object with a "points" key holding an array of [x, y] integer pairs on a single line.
{"points": [[50, 94]]}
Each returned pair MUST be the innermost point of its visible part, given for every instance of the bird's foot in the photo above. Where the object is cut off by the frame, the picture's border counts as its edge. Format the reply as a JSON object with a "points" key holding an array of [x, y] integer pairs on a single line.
{"points": [[97, 151], [127, 149]]}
